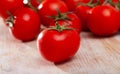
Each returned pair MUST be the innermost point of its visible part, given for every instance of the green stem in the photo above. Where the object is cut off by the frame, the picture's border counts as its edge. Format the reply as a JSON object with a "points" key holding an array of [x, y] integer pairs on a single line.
{"points": [[59, 13], [111, 2], [31, 6], [98, 2], [60, 28], [90, 2], [105, 2]]}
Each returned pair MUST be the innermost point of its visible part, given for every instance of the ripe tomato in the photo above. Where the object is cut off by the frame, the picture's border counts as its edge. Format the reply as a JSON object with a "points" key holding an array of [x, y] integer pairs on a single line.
{"points": [[73, 22], [58, 46], [26, 24], [49, 8], [104, 20], [9, 5], [73, 3], [36, 2], [83, 12]]}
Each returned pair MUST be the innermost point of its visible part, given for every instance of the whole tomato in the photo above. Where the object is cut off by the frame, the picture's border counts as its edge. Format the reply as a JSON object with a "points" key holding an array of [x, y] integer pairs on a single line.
{"points": [[58, 45], [83, 12], [73, 3], [70, 20], [104, 20], [36, 3], [26, 24], [49, 8], [9, 5]]}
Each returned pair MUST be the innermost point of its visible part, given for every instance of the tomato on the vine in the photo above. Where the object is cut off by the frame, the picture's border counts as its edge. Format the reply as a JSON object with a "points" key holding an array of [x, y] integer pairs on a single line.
{"points": [[25, 24], [9, 6], [104, 20], [55, 42], [83, 12], [70, 20], [49, 8]]}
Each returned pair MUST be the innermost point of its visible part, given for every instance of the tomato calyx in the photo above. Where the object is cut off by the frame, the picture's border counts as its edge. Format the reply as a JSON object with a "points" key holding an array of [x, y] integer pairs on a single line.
{"points": [[59, 28], [61, 16], [116, 5], [10, 20], [90, 3]]}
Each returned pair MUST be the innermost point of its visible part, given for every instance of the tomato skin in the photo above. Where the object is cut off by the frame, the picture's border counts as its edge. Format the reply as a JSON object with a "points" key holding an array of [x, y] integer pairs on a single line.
{"points": [[9, 5], [83, 12], [72, 4], [46, 9], [36, 3], [104, 20], [3, 13], [53, 45], [74, 22], [26, 25]]}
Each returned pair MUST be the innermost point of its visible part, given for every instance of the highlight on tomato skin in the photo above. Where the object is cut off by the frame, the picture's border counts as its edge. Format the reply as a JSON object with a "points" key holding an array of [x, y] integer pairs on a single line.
{"points": [[53, 44]]}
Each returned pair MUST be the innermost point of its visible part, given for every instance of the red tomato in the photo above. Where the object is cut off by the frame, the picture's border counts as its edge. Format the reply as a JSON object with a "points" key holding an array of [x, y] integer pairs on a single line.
{"points": [[9, 5], [36, 2], [104, 20], [74, 22], [58, 46], [26, 25], [73, 3], [49, 8], [83, 12]]}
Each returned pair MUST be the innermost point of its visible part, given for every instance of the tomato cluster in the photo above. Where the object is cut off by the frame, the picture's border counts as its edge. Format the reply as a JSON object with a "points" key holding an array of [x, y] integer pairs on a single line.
{"points": [[63, 21]]}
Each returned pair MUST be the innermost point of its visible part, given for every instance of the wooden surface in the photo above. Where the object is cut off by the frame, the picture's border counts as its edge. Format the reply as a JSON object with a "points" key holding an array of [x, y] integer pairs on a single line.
{"points": [[95, 56]]}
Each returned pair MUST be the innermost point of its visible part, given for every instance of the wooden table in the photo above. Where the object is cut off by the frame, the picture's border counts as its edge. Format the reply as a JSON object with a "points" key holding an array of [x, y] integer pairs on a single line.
{"points": [[95, 56]]}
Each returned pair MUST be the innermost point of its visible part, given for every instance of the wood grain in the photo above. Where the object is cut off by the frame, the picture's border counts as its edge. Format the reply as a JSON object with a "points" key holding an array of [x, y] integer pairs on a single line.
{"points": [[95, 56]]}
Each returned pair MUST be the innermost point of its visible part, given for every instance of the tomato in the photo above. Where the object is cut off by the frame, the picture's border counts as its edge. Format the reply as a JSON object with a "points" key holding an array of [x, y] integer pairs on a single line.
{"points": [[73, 3], [36, 2], [73, 22], [26, 24], [9, 5], [104, 20], [83, 12], [49, 8], [58, 46]]}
